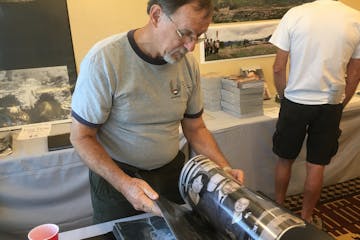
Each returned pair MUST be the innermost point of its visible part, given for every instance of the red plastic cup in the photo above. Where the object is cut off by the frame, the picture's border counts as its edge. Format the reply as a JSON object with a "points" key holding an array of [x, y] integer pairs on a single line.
{"points": [[47, 231]]}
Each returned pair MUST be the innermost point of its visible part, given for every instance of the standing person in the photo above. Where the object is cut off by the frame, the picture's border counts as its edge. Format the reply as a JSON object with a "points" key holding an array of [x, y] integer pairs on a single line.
{"points": [[31, 86], [207, 47], [217, 46], [322, 39], [132, 93]]}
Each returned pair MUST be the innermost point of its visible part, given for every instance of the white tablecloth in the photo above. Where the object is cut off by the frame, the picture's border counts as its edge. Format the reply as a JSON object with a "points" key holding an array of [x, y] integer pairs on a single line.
{"points": [[47, 188]]}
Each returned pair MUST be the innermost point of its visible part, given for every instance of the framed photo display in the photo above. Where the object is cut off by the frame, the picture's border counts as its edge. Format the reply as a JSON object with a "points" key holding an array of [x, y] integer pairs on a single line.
{"points": [[227, 11], [241, 40], [37, 64]]}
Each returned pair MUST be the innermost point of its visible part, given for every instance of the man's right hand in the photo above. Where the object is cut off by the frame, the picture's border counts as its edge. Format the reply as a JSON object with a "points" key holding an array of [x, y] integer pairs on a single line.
{"points": [[141, 196], [135, 190]]}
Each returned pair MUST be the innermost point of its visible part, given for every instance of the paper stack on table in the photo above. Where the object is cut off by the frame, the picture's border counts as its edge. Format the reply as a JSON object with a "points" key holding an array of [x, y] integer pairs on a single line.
{"points": [[242, 96], [210, 88]]}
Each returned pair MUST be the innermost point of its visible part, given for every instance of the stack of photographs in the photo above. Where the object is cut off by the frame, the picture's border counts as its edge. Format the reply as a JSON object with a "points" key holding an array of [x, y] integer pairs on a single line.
{"points": [[230, 207]]}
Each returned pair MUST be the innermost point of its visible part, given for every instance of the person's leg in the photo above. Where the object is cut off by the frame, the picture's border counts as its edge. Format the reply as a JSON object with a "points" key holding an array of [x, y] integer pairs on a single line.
{"points": [[288, 139], [312, 189], [108, 204], [322, 145], [164, 180], [282, 178]]}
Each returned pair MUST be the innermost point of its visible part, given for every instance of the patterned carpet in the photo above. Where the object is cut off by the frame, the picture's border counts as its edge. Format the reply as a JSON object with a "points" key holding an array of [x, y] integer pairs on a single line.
{"points": [[339, 209]]}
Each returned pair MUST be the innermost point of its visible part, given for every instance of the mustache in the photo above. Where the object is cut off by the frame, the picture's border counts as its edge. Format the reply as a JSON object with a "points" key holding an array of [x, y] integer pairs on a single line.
{"points": [[175, 55], [182, 50]]}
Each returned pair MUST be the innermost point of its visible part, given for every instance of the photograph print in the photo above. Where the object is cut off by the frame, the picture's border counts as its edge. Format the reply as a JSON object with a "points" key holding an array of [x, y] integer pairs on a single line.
{"points": [[238, 41], [235, 211], [34, 95], [227, 11]]}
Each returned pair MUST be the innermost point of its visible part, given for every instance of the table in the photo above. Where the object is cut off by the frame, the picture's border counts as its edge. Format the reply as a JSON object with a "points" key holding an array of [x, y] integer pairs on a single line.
{"points": [[37, 186]]}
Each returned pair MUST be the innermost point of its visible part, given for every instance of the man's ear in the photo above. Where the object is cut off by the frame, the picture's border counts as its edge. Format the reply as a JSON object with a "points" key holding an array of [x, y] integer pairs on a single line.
{"points": [[155, 13]]}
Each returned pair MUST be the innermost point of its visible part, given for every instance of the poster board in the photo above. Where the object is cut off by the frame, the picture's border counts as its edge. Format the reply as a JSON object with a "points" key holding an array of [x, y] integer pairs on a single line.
{"points": [[37, 65], [227, 11], [235, 41]]}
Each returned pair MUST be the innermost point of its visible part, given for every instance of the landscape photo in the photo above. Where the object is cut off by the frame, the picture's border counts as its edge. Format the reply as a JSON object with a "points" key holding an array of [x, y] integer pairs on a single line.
{"points": [[34, 95], [238, 41], [252, 10]]}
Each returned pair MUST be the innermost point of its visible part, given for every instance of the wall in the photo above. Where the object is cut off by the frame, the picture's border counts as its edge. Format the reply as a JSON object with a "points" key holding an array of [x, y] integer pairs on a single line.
{"points": [[92, 20]]}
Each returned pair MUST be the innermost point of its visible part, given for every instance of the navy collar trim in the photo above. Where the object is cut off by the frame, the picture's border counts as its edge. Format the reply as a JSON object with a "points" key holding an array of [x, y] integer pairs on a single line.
{"points": [[141, 54]]}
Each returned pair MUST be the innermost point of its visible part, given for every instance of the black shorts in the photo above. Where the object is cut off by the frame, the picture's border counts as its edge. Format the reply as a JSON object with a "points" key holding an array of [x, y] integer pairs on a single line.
{"points": [[319, 122]]}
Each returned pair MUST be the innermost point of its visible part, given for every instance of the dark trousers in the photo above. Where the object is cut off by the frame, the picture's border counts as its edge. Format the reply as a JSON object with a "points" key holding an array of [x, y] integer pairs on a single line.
{"points": [[109, 204]]}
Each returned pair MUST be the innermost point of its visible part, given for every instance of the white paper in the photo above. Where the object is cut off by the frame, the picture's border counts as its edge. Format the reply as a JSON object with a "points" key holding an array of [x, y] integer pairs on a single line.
{"points": [[34, 131]]}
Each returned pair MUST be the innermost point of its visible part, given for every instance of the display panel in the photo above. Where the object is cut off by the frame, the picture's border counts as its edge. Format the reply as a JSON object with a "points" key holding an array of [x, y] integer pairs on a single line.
{"points": [[37, 65], [246, 40], [252, 10]]}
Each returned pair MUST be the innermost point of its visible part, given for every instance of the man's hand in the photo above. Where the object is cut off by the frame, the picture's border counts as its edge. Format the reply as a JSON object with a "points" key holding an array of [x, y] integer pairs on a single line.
{"points": [[238, 174], [135, 190], [141, 196]]}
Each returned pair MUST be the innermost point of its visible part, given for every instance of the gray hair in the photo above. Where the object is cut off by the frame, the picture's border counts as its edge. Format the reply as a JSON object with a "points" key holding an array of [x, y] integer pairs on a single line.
{"points": [[170, 6]]}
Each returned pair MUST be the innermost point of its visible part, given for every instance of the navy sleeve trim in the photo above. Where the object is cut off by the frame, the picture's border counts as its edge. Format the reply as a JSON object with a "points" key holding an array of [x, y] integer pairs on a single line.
{"points": [[196, 115], [82, 121]]}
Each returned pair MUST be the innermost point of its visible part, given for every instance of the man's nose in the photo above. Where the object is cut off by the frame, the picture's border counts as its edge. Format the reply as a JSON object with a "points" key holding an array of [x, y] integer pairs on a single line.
{"points": [[190, 46]]}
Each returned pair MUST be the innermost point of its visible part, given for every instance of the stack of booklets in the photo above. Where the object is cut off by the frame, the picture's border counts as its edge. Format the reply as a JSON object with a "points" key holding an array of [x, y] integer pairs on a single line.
{"points": [[210, 88], [218, 207], [243, 95]]}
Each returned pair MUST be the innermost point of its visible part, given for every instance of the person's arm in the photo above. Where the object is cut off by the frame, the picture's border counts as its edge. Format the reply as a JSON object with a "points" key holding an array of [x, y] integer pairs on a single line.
{"points": [[202, 142], [279, 71], [135, 190], [352, 80]]}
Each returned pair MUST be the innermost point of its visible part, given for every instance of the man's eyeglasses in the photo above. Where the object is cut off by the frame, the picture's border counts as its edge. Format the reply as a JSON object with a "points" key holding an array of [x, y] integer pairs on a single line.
{"points": [[186, 35]]}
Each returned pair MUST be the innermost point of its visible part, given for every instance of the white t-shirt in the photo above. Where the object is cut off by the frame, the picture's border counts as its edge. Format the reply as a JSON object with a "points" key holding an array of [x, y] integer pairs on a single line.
{"points": [[321, 37]]}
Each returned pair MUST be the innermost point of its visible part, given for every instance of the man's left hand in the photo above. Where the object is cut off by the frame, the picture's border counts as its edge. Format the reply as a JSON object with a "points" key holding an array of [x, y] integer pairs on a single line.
{"points": [[238, 174]]}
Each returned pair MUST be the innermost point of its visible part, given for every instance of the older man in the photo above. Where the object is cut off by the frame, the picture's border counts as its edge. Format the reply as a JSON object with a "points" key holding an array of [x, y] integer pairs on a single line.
{"points": [[133, 91]]}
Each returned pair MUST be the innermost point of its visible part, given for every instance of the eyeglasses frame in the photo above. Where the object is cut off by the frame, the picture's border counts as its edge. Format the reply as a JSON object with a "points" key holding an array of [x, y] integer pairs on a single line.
{"points": [[183, 36]]}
